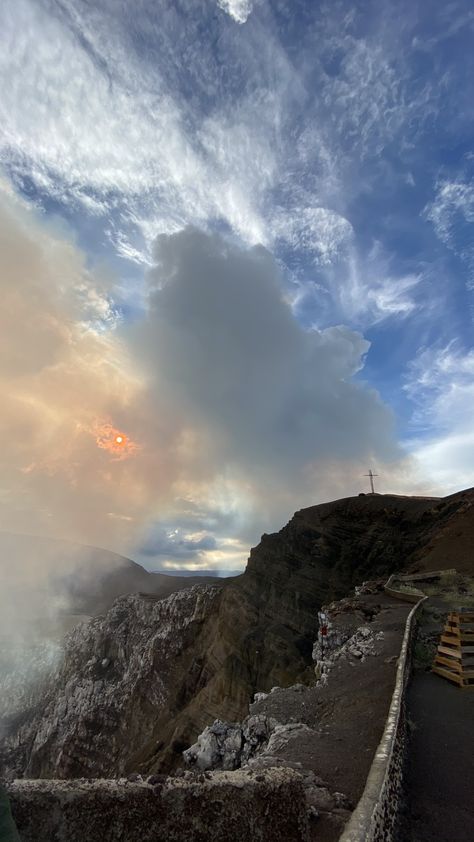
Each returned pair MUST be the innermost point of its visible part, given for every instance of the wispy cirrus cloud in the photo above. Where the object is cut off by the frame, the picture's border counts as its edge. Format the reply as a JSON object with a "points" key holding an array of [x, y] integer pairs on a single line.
{"points": [[452, 215], [440, 372], [320, 233], [440, 382], [365, 290], [115, 135], [100, 117], [239, 10]]}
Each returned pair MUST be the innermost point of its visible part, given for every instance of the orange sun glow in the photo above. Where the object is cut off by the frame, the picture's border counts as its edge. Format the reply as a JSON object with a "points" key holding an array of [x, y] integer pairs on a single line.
{"points": [[117, 443]]}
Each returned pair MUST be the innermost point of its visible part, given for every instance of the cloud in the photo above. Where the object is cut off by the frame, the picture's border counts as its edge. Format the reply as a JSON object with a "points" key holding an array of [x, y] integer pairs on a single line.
{"points": [[222, 403], [321, 232], [452, 215], [363, 289], [437, 369], [393, 297], [370, 293], [447, 461], [68, 389], [239, 10], [264, 397], [124, 142], [440, 382], [172, 543], [119, 130], [130, 142]]}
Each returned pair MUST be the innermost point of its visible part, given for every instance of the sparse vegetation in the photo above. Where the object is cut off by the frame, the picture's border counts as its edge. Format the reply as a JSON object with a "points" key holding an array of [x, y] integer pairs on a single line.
{"points": [[423, 654]]}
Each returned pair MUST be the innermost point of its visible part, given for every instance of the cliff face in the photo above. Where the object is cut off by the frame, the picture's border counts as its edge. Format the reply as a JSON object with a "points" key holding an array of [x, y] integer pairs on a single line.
{"points": [[121, 679], [137, 685], [325, 550]]}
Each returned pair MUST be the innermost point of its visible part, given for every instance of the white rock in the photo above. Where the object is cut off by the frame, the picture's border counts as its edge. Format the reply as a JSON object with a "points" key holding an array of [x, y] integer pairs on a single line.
{"points": [[258, 697]]}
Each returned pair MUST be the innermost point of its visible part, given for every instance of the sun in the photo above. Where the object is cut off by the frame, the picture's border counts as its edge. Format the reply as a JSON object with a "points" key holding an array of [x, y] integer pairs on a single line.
{"points": [[113, 439], [119, 441]]}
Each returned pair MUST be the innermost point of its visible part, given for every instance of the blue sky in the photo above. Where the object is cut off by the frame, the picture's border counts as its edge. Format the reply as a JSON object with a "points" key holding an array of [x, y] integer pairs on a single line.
{"points": [[338, 136]]}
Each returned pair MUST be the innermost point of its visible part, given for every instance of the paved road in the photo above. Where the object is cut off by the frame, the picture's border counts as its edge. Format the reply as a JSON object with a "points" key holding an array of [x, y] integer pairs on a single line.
{"points": [[441, 775]]}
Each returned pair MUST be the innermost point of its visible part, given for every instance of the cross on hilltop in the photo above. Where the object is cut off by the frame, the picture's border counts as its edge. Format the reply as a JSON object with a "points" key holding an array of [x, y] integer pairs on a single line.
{"points": [[371, 476]]}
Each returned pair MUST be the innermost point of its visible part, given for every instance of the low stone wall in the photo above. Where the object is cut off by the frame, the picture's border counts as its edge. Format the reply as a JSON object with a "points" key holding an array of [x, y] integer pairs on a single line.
{"points": [[268, 806], [415, 594], [407, 596], [377, 815]]}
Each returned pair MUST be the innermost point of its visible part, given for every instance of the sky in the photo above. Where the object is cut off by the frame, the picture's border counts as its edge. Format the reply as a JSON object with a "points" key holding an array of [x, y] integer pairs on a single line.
{"points": [[237, 265]]}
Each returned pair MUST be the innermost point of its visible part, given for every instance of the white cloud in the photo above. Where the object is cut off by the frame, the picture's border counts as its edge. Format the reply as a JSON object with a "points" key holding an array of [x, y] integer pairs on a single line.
{"points": [[448, 460], [365, 79], [393, 296], [362, 290], [452, 215], [452, 197], [322, 232], [239, 10], [366, 93], [89, 136], [370, 294], [99, 124], [436, 370], [441, 384], [93, 125]]}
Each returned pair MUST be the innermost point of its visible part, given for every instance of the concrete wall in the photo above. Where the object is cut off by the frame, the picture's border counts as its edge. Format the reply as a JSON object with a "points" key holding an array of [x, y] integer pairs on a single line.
{"points": [[268, 806]]}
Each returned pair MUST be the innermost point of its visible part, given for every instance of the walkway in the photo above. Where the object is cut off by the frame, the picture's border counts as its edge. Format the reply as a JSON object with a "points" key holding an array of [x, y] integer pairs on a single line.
{"points": [[441, 775]]}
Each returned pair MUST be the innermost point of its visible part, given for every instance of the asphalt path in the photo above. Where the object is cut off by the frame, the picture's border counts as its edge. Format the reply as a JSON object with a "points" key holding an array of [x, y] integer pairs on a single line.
{"points": [[441, 761]]}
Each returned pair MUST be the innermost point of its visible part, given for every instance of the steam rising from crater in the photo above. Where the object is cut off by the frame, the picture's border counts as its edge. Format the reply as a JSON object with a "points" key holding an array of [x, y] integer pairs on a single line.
{"points": [[215, 413]]}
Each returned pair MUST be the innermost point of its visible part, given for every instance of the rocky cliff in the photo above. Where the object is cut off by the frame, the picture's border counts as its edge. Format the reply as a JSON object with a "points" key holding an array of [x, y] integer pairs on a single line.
{"points": [[138, 684]]}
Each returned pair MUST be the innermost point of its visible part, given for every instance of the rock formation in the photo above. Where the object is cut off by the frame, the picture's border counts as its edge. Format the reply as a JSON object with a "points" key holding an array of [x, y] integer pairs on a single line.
{"points": [[138, 684], [114, 696]]}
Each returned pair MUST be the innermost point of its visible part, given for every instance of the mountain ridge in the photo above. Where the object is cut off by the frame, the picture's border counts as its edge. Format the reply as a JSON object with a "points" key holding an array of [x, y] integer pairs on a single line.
{"points": [[86, 577]]}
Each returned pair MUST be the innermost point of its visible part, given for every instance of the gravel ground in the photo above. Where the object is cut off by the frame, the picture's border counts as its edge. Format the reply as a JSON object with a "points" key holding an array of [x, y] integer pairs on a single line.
{"points": [[347, 714]]}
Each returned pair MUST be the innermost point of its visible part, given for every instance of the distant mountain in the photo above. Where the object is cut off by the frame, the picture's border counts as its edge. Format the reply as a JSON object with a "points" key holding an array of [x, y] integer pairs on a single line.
{"points": [[44, 576]]}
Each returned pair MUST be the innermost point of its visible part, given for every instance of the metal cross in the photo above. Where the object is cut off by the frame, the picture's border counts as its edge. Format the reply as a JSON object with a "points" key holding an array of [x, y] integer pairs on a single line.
{"points": [[371, 476]]}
